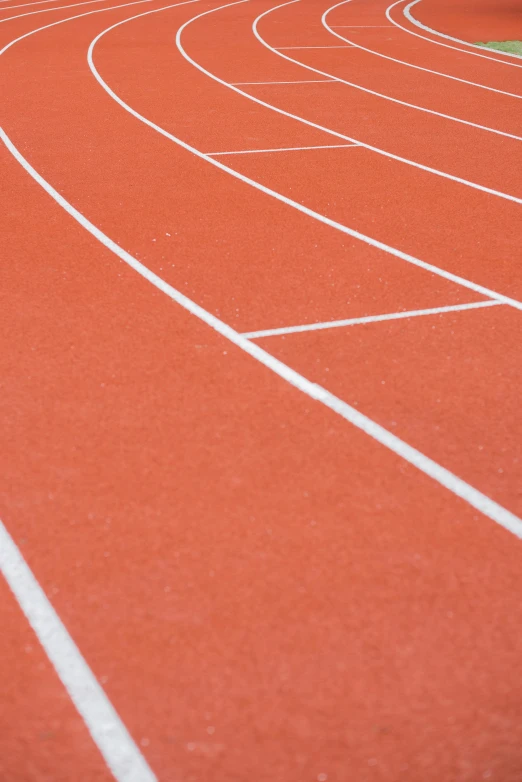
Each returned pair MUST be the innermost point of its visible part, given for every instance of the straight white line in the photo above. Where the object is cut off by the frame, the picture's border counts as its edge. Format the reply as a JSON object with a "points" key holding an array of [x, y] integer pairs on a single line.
{"points": [[409, 64], [110, 735], [423, 463], [306, 81], [440, 43], [280, 149], [379, 151], [365, 26], [413, 20], [334, 324], [284, 48], [380, 94]]}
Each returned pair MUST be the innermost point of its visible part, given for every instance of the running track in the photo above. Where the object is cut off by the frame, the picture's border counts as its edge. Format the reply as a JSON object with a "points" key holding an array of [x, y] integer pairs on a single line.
{"points": [[283, 541]]}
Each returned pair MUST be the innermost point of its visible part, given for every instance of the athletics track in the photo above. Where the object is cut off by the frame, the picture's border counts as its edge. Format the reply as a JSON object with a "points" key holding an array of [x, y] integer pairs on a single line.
{"points": [[260, 393]]}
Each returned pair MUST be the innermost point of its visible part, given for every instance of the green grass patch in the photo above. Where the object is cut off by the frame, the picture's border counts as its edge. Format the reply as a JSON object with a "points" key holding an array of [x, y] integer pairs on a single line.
{"points": [[511, 47]]}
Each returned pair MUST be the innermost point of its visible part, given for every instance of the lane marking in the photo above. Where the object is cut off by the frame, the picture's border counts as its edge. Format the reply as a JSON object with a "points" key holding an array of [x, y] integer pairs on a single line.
{"points": [[108, 732], [365, 26], [413, 20], [380, 94], [487, 292], [423, 463], [284, 48], [280, 149], [409, 64], [49, 10], [379, 151], [440, 43], [307, 81], [334, 324]]}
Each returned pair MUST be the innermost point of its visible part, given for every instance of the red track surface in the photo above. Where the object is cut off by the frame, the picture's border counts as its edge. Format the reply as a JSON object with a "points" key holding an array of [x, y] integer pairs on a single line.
{"points": [[263, 590], [472, 20]]}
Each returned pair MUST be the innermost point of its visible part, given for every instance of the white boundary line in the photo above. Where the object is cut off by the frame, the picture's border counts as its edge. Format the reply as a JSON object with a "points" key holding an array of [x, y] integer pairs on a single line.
{"points": [[423, 463], [334, 324], [379, 151], [280, 149], [322, 218], [440, 43], [307, 81], [108, 732], [332, 29], [481, 289], [413, 20], [49, 10], [315, 125], [374, 92], [284, 48]]}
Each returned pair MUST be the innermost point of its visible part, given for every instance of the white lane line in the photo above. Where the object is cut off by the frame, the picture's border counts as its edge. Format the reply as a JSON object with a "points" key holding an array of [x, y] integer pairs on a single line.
{"points": [[423, 463], [306, 81], [70, 18], [49, 10], [440, 43], [364, 26], [280, 149], [332, 28], [273, 193], [380, 94], [334, 324], [462, 281], [413, 20], [311, 124], [285, 48], [386, 97], [108, 732]]}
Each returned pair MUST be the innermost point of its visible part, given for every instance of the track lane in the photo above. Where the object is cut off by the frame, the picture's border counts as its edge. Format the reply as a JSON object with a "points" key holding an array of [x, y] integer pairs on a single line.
{"points": [[228, 615], [472, 22], [454, 149], [400, 44], [357, 33], [412, 27], [225, 682], [271, 172]]}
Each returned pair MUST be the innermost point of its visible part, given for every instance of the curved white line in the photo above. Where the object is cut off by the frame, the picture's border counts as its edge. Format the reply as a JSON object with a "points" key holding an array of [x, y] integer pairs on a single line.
{"points": [[49, 10], [439, 474], [408, 14], [268, 191], [413, 105], [423, 463], [409, 64], [388, 97], [439, 43], [379, 151]]}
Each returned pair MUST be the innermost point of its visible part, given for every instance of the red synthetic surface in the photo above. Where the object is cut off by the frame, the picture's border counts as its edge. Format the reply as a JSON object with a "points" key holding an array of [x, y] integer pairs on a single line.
{"points": [[473, 20], [265, 592]]}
